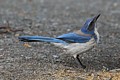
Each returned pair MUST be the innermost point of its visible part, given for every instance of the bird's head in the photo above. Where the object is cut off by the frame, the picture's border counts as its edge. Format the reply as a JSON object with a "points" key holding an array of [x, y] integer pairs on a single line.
{"points": [[90, 25]]}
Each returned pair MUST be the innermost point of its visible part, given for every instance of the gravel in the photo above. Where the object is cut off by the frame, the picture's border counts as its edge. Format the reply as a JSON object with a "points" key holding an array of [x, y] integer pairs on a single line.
{"points": [[51, 18]]}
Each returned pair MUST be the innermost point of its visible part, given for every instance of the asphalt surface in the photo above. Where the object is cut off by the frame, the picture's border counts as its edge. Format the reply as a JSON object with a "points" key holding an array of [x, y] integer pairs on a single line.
{"points": [[53, 18]]}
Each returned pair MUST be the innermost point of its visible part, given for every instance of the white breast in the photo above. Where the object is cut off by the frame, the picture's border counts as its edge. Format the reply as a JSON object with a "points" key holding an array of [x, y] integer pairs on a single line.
{"points": [[77, 48]]}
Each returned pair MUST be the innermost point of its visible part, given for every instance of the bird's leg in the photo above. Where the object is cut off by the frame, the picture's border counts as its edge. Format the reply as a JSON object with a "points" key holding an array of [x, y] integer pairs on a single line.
{"points": [[78, 61]]}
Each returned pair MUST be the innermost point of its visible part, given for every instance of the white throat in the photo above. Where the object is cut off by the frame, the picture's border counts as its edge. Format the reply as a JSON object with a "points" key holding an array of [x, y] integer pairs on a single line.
{"points": [[97, 34]]}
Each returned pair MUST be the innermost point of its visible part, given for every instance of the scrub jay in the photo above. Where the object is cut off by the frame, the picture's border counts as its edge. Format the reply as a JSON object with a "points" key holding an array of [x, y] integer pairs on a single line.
{"points": [[76, 42]]}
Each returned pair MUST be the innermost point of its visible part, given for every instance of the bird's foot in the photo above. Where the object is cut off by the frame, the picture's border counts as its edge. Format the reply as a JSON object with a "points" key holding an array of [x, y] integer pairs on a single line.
{"points": [[83, 66], [79, 62]]}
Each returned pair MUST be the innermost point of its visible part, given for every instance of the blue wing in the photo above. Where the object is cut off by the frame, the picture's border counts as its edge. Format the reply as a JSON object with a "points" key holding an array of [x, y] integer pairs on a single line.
{"points": [[65, 38], [74, 38]]}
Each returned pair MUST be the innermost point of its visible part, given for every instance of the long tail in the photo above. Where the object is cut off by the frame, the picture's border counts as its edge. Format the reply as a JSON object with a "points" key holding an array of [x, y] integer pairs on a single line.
{"points": [[40, 39]]}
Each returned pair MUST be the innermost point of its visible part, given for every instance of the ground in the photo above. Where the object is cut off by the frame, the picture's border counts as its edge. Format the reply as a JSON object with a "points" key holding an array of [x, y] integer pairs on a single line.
{"points": [[43, 61]]}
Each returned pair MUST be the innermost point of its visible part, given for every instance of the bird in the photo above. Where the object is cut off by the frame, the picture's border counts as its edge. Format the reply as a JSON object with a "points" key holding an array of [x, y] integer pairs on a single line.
{"points": [[74, 43]]}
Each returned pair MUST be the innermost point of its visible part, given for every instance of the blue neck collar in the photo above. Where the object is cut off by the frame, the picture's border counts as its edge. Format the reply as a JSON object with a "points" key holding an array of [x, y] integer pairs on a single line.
{"points": [[86, 31]]}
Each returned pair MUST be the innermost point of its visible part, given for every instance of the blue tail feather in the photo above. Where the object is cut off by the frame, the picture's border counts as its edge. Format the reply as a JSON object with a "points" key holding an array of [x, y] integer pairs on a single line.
{"points": [[40, 39]]}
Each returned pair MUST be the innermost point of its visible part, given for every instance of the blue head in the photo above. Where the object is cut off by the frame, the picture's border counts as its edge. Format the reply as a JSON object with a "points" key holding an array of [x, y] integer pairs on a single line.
{"points": [[89, 26]]}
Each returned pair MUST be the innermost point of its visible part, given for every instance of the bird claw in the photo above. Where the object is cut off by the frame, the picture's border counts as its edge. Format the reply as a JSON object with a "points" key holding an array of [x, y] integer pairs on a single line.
{"points": [[83, 66]]}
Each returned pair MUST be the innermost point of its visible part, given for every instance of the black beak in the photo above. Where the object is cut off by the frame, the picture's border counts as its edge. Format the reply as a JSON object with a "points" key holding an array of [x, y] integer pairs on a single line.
{"points": [[95, 18], [92, 24]]}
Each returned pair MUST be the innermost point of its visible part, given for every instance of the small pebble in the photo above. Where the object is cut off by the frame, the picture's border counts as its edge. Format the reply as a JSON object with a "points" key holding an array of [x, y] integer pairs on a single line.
{"points": [[55, 56], [115, 4]]}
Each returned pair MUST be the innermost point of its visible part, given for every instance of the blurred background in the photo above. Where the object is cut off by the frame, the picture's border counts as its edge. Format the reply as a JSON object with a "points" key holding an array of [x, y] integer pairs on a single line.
{"points": [[40, 61]]}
